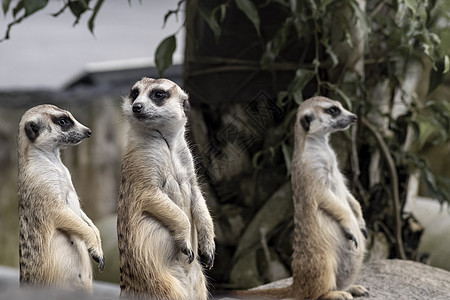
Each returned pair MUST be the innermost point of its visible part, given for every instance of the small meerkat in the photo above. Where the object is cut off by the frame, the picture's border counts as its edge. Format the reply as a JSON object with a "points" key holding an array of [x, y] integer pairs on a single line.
{"points": [[55, 235], [162, 216], [330, 232]]}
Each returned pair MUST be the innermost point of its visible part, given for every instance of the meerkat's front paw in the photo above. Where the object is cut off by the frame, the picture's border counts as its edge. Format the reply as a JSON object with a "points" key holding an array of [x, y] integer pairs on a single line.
{"points": [[187, 250], [208, 260], [208, 249], [350, 236], [97, 256]]}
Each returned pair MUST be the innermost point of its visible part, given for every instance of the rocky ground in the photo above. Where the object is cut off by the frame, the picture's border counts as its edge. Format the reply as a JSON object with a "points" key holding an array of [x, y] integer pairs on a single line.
{"points": [[385, 279]]}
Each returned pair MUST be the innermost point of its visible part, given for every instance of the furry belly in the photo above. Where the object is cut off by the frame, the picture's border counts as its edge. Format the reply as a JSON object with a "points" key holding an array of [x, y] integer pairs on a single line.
{"points": [[70, 264], [154, 242], [349, 257], [159, 265]]}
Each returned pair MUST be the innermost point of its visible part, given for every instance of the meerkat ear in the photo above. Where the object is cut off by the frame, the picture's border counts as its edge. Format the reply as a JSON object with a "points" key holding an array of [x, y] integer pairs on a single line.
{"points": [[32, 130], [306, 121], [186, 106]]}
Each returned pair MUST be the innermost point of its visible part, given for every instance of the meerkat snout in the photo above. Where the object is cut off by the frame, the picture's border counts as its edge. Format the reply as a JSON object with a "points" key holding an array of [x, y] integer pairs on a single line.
{"points": [[137, 108]]}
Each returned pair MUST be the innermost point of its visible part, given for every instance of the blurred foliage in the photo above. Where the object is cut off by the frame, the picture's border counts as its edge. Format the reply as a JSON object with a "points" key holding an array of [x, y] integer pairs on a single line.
{"points": [[26, 8]]}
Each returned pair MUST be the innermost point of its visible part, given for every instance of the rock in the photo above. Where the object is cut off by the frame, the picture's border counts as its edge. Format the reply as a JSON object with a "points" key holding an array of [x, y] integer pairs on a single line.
{"points": [[385, 279], [9, 289], [396, 279]]}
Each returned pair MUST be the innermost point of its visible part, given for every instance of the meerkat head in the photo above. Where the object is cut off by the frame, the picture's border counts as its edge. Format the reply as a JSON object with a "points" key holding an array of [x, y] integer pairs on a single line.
{"points": [[157, 104], [320, 115], [48, 127]]}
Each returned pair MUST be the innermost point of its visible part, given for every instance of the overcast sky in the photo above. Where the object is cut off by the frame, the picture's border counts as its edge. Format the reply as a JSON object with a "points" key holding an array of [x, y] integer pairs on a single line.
{"points": [[47, 52]]}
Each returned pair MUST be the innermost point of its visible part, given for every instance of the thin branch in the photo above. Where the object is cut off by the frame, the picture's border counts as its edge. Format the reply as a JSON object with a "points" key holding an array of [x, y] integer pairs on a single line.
{"points": [[8, 30], [355, 167], [394, 184], [56, 14]]}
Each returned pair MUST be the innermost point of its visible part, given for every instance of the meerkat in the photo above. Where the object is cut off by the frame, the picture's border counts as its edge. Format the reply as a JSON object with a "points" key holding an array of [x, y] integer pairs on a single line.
{"points": [[163, 218], [329, 229], [55, 235]]}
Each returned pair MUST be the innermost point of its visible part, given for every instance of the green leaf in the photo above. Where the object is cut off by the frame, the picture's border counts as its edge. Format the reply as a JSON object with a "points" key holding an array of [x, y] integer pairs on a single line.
{"points": [[223, 11], [91, 21], [437, 74], [210, 18], [281, 98], [301, 79], [32, 6], [412, 5], [276, 44], [173, 11], [78, 8], [164, 53], [361, 16], [18, 8], [334, 88], [330, 52], [250, 10], [5, 5]]}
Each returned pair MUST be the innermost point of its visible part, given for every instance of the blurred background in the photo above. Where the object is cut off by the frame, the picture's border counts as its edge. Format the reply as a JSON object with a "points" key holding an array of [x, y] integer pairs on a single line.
{"points": [[246, 66]]}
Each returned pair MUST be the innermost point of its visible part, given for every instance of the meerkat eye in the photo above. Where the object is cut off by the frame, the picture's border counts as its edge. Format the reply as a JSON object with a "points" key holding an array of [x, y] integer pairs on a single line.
{"points": [[158, 96], [134, 93], [64, 122], [333, 111]]}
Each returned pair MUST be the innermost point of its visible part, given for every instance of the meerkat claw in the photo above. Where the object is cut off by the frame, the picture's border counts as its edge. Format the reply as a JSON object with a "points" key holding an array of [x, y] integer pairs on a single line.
{"points": [[364, 232], [101, 265], [99, 260], [188, 252], [208, 261], [351, 237]]}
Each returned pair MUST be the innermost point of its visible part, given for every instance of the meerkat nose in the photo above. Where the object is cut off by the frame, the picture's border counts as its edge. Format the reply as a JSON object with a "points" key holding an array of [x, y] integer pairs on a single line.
{"points": [[353, 118], [88, 133], [137, 108]]}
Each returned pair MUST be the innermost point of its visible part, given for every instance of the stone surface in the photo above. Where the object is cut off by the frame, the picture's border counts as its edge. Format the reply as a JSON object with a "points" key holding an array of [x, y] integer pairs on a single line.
{"points": [[396, 279], [385, 279], [9, 289]]}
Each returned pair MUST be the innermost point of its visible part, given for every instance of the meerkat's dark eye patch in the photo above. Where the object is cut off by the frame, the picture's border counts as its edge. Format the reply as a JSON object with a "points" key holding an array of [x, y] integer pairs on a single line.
{"points": [[64, 122], [158, 96], [306, 121], [134, 93], [333, 111]]}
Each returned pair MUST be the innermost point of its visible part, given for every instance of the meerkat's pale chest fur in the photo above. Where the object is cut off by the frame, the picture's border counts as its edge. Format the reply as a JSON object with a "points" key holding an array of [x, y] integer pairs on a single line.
{"points": [[56, 236], [162, 216]]}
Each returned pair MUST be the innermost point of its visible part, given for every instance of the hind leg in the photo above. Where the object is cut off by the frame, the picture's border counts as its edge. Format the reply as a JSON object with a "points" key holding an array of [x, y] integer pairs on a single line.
{"points": [[336, 295], [358, 290]]}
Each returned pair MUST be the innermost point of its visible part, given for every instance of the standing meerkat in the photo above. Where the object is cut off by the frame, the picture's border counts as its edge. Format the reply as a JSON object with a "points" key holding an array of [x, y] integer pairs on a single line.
{"points": [[330, 232], [55, 235], [162, 216]]}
